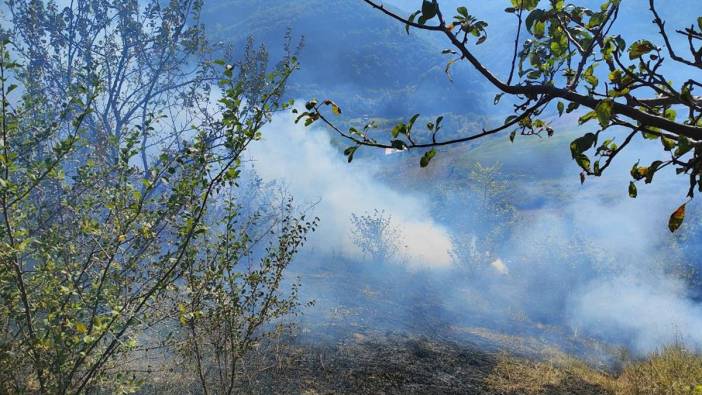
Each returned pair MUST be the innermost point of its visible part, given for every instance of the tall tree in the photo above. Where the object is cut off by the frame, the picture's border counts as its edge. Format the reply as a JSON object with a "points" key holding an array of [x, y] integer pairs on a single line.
{"points": [[151, 58], [90, 243]]}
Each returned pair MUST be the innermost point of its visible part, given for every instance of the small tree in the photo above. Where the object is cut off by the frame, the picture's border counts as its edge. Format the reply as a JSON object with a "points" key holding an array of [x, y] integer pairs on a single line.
{"points": [[376, 236], [233, 295], [490, 217]]}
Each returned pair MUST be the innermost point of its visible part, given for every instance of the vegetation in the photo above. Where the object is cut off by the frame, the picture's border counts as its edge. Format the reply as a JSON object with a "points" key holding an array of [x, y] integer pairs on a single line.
{"points": [[674, 370], [394, 363], [139, 252], [495, 215], [560, 66], [116, 219], [376, 236]]}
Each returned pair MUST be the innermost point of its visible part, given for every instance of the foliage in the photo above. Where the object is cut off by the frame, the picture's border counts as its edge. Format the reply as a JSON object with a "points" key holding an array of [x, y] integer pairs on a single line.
{"points": [[91, 240], [152, 61], [228, 299], [571, 61]]}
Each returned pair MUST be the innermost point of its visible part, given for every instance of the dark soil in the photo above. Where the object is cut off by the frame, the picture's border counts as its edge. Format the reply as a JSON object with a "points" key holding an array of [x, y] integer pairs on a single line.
{"points": [[393, 364]]}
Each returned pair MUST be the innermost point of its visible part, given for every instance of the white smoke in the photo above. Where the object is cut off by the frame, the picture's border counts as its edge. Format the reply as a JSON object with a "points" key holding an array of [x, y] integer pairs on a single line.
{"points": [[597, 264], [646, 312], [313, 170]]}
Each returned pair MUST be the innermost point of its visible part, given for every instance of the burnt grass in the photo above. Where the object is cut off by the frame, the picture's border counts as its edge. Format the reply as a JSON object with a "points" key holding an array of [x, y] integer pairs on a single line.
{"points": [[391, 363], [380, 339]]}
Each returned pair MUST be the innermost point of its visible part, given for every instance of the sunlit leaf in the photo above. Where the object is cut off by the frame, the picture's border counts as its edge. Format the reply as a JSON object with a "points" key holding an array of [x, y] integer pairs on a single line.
{"points": [[427, 157], [640, 48], [676, 219], [604, 112]]}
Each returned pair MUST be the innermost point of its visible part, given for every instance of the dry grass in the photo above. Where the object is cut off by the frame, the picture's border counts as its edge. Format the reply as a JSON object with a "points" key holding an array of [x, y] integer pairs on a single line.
{"points": [[371, 362], [519, 376], [672, 371]]}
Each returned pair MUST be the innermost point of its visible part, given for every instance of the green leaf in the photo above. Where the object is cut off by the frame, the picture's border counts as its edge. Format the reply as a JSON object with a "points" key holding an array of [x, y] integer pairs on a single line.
{"points": [[649, 135], [534, 16], [684, 146], [512, 136], [582, 144], [438, 123], [525, 4], [589, 76], [539, 29], [400, 128], [583, 161], [587, 117], [670, 114], [349, 152], [686, 94], [651, 171], [462, 11], [428, 10], [310, 120], [676, 219], [668, 143], [604, 112], [595, 20], [428, 156], [561, 108], [640, 48], [411, 122], [699, 23], [311, 104], [398, 144], [81, 328], [632, 190], [534, 74], [637, 172]]}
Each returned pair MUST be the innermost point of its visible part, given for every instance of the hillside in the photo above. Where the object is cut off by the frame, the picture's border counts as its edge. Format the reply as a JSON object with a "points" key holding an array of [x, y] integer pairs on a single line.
{"points": [[352, 54]]}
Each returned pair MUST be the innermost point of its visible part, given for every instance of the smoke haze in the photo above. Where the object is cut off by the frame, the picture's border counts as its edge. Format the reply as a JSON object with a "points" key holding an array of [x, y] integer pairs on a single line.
{"points": [[598, 264]]}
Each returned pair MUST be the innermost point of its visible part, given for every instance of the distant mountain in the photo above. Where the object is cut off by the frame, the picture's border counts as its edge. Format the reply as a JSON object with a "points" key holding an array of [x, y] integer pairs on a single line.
{"points": [[352, 54]]}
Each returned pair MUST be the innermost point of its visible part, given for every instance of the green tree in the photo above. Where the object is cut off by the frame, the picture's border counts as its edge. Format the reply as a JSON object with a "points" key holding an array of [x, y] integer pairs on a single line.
{"points": [[231, 298], [88, 246], [152, 59], [564, 58], [376, 236]]}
